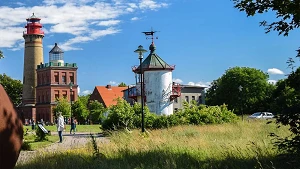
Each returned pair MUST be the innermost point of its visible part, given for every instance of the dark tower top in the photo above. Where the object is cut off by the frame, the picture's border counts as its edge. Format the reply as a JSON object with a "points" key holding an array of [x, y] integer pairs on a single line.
{"points": [[56, 55], [153, 62], [33, 26]]}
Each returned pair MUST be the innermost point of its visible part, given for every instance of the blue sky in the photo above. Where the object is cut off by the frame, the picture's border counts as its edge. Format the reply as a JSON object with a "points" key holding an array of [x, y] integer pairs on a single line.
{"points": [[202, 38]]}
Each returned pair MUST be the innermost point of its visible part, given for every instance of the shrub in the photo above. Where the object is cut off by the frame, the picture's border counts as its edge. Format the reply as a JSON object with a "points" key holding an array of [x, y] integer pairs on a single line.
{"points": [[26, 146], [40, 135], [123, 116]]}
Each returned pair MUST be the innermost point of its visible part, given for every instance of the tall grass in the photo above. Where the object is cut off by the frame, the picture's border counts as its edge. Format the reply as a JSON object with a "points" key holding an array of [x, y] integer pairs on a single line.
{"points": [[242, 145]]}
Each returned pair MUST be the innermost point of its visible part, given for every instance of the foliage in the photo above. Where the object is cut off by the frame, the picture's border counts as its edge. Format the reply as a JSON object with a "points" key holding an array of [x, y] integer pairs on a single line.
{"points": [[40, 135], [97, 111], [26, 146], [1, 54], [288, 104], [12, 87], [287, 95], [122, 84], [255, 90], [79, 110], [63, 106], [123, 116], [120, 115]]}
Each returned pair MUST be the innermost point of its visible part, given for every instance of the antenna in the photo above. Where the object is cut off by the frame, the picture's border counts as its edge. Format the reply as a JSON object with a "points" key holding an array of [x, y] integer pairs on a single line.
{"points": [[151, 33]]}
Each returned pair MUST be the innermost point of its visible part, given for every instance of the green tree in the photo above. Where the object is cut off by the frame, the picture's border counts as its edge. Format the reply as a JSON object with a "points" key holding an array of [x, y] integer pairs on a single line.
{"points": [[120, 115], [12, 87], [255, 89], [80, 111], [288, 18], [63, 106], [122, 84], [97, 111]]}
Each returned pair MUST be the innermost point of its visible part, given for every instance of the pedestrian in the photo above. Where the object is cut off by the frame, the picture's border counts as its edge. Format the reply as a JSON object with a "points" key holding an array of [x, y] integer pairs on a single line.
{"points": [[33, 125], [73, 125], [60, 126]]}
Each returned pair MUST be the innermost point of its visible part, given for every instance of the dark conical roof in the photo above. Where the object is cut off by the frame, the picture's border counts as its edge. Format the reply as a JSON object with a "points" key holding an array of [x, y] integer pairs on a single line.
{"points": [[56, 49], [154, 62]]}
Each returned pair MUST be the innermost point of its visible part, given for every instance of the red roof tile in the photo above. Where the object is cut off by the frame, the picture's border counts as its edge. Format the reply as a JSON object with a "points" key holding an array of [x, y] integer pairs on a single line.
{"points": [[109, 95]]}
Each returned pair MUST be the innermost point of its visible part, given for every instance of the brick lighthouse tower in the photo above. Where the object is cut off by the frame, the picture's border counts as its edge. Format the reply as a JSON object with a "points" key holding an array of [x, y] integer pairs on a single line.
{"points": [[33, 56]]}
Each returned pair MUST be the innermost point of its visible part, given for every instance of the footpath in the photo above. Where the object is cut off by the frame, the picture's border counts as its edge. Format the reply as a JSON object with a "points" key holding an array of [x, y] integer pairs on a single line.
{"points": [[70, 141]]}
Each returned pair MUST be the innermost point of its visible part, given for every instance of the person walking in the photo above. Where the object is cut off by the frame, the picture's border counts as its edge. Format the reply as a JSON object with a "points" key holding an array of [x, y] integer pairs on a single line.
{"points": [[60, 126], [73, 125]]}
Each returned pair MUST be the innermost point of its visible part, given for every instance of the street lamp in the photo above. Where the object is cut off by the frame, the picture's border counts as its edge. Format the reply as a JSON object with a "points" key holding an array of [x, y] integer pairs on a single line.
{"points": [[140, 52], [241, 89], [71, 88]]}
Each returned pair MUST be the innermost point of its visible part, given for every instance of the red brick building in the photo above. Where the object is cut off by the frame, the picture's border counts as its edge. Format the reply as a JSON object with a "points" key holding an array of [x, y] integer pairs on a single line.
{"points": [[53, 81]]}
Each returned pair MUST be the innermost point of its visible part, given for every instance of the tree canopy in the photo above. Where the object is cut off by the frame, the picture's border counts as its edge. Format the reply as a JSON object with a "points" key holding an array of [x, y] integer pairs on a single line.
{"points": [[240, 88], [287, 93], [122, 84], [63, 106], [12, 87]]}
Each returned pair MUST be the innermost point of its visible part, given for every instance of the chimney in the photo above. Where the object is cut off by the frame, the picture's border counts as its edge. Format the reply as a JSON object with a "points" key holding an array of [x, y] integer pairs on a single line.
{"points": [[108, 86]]}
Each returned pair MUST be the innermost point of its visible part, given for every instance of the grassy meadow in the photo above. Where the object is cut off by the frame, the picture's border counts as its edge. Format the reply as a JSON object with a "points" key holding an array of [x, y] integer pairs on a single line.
{"points": [[244, 145], [79, 128]]}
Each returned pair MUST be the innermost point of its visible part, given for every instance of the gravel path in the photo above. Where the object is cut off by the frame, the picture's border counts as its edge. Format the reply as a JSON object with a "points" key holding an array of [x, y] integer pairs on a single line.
{"points": [[70, 141]]}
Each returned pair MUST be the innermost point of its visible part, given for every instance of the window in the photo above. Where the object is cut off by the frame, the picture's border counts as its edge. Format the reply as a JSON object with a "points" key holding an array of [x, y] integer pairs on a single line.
{"points": [[42, 80], [47, 97], [43, 98], [176, 100], [193, 98], [64, 78], [200, 100], [187, 99], [56, 94], [72, 77], [56, 77], [64, 93], [72, 96]]}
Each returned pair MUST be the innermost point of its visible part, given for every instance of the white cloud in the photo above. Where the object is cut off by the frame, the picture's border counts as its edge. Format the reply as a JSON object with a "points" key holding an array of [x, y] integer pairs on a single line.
{"points": [[275, 71], [202, 84], [145, 4], [113, 83], [135, 18], [76, 18], [109, 22], [272, 82], [177, 81], [86, 92]]}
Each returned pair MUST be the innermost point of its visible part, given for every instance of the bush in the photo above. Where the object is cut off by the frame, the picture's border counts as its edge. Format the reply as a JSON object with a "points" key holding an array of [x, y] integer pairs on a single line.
{"points": [[26, 146], [40, 135], [125, 116]]}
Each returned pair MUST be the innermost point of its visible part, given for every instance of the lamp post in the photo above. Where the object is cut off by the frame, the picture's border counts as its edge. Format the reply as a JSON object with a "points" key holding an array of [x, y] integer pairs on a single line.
{"points": [[140, 52], [71, 88], [241, 90]]}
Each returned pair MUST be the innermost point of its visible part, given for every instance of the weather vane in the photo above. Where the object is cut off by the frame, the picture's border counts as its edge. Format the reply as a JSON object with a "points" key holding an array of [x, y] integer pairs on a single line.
{"points": [[151, 33]]}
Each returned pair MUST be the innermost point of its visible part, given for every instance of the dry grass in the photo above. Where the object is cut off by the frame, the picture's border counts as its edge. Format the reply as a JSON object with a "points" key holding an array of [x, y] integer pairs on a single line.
{"points": [[241, 145]]}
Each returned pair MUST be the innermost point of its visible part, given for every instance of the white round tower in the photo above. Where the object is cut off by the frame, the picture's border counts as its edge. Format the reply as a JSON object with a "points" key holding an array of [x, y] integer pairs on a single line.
{"points": [[158, 83]]}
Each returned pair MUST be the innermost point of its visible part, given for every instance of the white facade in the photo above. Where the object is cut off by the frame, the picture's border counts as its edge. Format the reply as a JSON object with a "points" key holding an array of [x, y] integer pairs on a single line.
{"points": [[158, 88]]}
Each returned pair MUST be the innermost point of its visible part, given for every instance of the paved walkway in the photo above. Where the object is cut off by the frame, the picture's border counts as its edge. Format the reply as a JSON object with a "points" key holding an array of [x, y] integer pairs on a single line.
{"points": [[70, 141]]}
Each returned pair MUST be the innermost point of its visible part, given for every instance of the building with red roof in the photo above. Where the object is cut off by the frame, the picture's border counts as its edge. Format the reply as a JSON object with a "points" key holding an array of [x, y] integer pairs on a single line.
{"points": [[107, 95]]}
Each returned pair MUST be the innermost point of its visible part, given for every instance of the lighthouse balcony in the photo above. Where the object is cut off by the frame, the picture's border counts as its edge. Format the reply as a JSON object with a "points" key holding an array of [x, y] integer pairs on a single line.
{"points": [[176, 91], [134, 92]]}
